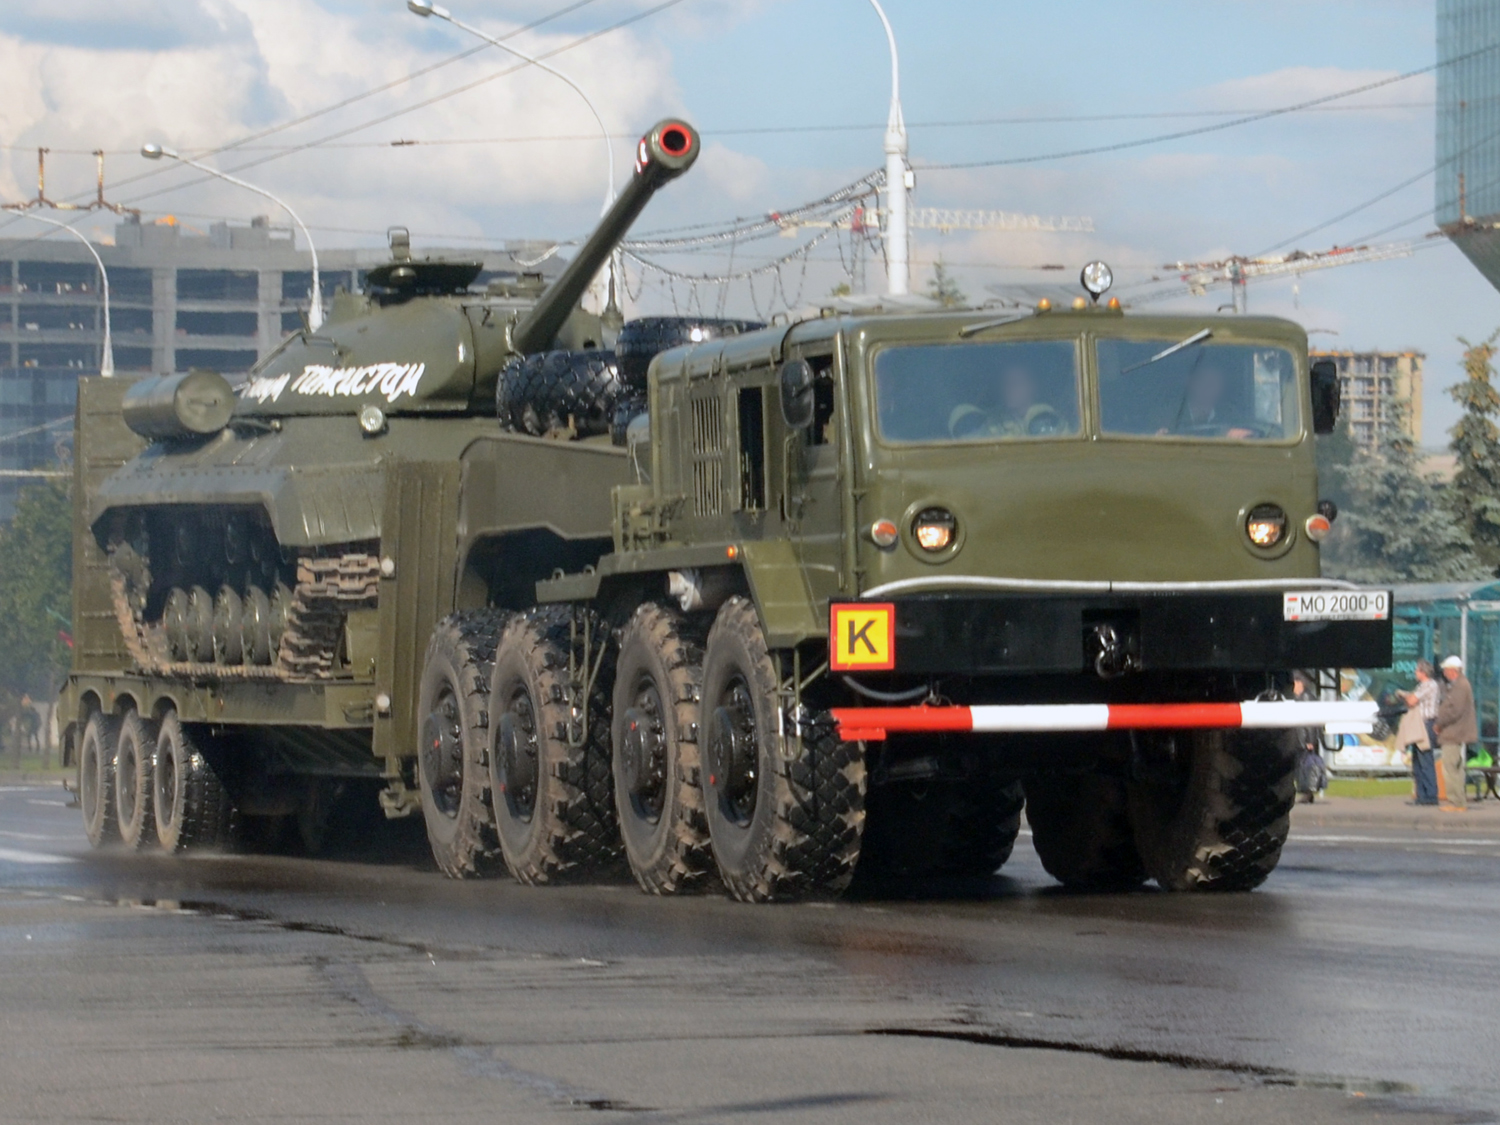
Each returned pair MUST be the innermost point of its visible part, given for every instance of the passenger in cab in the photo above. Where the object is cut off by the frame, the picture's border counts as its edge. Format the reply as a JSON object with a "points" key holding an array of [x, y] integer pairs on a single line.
{"points": [[1018, 411]]}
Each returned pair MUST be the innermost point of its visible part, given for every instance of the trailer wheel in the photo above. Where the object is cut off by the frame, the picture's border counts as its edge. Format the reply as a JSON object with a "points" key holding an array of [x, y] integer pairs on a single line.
{"points": [[781, 827], [1212, 809], [551, 781], [1081, 830], [96, 779], [963, 827], [658, 794], [561, 392], [452, 763], [640, 340], [192, 807], [134, 762]]}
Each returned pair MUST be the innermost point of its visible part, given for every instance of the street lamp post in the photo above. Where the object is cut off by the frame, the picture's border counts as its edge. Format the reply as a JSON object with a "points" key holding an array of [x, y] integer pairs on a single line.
{"points": [[107, 357], [315, 314], [897, 238], [425, 8]]}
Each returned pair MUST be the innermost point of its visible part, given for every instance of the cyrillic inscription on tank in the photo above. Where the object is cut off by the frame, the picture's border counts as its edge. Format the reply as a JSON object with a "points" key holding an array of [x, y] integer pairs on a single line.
{"points": [[389, 379]]}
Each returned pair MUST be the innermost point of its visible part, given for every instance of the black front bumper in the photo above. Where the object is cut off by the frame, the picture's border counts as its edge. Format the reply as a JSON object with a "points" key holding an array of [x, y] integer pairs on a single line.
{"points": [[1059, 633]]}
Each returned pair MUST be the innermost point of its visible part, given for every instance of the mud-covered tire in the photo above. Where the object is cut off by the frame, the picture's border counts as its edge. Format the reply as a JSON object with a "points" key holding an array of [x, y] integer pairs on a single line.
{"points": [[964, 827], [1217, 820], [642, 339], [1080, 827], [193, 809], [453, 773], [781, 827], [658, 794], [552, 783], [562, 392], [135, 759], [96, 779]]}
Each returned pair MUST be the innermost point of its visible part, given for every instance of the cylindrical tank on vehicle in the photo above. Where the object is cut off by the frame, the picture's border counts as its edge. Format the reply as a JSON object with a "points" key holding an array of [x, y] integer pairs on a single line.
{"points": [[191, 404]]}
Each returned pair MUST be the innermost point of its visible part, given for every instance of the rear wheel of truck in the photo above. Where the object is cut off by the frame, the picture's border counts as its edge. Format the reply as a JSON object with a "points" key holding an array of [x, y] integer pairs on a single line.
{"points": [[658, 793], [134, 761], [1080, 827], [957, 827], [553, 788], [191, 805], [452, 754], [96, 779], [781, 826], [1212, 809]]}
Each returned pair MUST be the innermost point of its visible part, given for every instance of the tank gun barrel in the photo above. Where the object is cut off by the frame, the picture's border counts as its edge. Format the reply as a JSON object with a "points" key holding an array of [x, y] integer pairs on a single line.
{"points": [[667, 151]]}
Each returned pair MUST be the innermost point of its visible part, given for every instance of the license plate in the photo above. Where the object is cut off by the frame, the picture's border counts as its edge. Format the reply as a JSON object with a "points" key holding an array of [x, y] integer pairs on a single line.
{"points": [[1336, 605]]}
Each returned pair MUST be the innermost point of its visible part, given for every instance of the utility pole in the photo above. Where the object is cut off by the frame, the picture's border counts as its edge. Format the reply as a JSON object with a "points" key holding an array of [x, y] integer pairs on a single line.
{"points": [[897, 177]]}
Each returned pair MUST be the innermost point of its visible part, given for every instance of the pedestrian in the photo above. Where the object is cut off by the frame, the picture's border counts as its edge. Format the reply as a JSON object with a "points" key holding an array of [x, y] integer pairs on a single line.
{"points": [[1312, 771], [1456, 727], [1416, 734]]}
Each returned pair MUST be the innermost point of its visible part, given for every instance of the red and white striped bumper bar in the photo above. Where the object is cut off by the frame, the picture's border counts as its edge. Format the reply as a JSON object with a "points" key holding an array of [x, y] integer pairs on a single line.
{"points": [[873, 724]]}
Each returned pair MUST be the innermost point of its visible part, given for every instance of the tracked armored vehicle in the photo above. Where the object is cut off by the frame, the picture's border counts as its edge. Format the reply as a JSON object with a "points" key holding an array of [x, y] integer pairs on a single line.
{"points": [[852, 592]]}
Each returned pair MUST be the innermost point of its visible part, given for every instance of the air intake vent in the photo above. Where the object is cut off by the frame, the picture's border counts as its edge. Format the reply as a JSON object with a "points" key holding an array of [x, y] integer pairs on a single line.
{"points": [[708, 457]]}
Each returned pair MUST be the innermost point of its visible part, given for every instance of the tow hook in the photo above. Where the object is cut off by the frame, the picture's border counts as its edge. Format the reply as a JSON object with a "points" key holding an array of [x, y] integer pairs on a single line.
{"points": [[1110, 653]]}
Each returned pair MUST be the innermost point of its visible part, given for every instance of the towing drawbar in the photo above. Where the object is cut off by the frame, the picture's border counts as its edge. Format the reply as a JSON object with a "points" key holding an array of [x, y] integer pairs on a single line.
{"points": [[873, 724]]}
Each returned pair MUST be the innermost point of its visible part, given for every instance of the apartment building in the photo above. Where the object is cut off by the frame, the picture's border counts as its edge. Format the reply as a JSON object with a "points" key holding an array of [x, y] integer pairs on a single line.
{"points": [[1380, 389]]}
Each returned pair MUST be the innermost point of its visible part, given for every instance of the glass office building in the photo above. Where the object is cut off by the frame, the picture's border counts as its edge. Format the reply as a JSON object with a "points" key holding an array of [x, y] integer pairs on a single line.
{"points": [[1467, 199]]}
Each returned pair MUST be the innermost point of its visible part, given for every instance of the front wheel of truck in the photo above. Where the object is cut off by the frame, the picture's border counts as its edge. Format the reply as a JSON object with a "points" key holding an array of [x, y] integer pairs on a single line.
{"points": [[783, 823], [1081, 830], [452, 768], [1211, 809]]}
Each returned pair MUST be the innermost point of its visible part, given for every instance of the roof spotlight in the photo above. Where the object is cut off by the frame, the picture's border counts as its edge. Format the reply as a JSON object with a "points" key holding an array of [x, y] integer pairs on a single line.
{"points": [[1096, 278]]}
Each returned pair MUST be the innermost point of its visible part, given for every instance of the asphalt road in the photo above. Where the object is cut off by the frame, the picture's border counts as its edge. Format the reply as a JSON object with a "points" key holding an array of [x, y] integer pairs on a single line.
{"points": [[1360, 985]]}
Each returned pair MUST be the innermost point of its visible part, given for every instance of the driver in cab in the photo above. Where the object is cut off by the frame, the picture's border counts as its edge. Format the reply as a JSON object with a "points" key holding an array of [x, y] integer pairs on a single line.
{"points": [[1201, 412], [1020, 411]]}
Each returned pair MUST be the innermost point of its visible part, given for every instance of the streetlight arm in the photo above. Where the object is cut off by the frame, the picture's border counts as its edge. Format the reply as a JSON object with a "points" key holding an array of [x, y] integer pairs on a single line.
{"points": [[315, 314], [895, 123], [107, 356]]}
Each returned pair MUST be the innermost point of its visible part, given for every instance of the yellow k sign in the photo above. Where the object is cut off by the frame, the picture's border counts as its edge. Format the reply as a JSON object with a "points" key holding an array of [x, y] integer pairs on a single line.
{"points": [[862, 637]]}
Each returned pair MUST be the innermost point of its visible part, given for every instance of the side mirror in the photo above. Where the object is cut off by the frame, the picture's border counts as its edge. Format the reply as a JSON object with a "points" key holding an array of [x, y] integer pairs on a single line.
{"points": [[797, 402], [1325, 395]]}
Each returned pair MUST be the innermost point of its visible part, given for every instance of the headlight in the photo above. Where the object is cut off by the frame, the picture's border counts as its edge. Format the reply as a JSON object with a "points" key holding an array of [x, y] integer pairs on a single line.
{"points": [[934, 529], [1266, 525], [1096, 278], [371, 420]]}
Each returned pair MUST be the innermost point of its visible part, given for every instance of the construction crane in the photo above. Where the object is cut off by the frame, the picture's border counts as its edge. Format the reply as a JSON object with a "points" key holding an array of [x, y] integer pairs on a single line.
{"points": [[942, 219]]}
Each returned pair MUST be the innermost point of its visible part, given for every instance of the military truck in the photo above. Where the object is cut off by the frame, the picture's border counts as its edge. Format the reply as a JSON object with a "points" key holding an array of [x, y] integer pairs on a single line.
{"points": [[847, 596]]}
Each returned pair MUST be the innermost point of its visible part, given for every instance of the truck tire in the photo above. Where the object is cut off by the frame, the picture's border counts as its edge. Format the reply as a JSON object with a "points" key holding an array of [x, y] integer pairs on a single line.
{"points": [[780, 828], [1217, 821], [958, 827], [134, 762], [642, 339], [552, 784], [1080, 827], [96, 779], [658, 794], [192, 807], [452, 754], [554, 393]]}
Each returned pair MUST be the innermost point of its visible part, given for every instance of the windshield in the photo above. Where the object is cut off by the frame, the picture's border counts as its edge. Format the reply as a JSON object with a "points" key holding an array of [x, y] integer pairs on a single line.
{"points": [[1236, 392], [977, 392]]}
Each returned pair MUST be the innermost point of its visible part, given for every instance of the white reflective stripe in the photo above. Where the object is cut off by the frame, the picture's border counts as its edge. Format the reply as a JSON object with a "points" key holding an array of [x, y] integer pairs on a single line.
{"points": [[1042, 717], [941, 583], [1349, 728], [1314, 713]]}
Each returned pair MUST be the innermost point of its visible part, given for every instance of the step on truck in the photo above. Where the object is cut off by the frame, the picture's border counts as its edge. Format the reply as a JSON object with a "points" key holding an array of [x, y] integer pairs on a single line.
{"points": [[775, 609]]}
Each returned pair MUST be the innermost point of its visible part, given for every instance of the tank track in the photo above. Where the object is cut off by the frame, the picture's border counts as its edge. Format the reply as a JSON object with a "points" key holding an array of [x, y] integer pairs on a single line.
{"points": [[326, 590]]}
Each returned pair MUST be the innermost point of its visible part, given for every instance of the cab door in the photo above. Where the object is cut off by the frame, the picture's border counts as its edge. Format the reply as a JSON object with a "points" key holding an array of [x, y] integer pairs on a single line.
{"points": [[814, 496]]}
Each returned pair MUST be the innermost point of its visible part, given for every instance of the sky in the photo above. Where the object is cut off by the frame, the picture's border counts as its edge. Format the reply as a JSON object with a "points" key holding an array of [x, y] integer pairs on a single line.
{"points": [[791, 98]]}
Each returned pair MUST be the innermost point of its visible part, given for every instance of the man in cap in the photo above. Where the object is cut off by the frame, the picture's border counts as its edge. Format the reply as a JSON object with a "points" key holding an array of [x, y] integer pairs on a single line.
{"points": [[1456, 727]]}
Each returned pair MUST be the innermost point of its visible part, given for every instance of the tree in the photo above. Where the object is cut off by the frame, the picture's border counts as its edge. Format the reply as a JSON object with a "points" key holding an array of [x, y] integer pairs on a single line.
{"points": [[36, 581], [1397, 527], [1335, 459], [1475, 491], [944, 289]]}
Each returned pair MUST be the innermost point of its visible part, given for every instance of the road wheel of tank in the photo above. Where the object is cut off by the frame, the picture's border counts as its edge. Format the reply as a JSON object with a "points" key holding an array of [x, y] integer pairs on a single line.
{"points": [[96, 779], [556, 393], [193, 809], [551, 779], [780, 827], [942, 826], [1080, 827], [1211, 809], [452, 757], [135, 758], [658, 794], [642, 339]]}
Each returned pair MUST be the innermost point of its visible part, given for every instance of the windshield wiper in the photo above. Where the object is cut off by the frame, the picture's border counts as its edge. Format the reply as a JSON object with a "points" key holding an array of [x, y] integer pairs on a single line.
{"points": [[985, 325], [1195, 338]]}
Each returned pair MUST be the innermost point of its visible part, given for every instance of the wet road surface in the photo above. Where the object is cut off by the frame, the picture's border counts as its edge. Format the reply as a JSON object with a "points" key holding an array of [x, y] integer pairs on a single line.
{"points": [[1362, 984]]}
